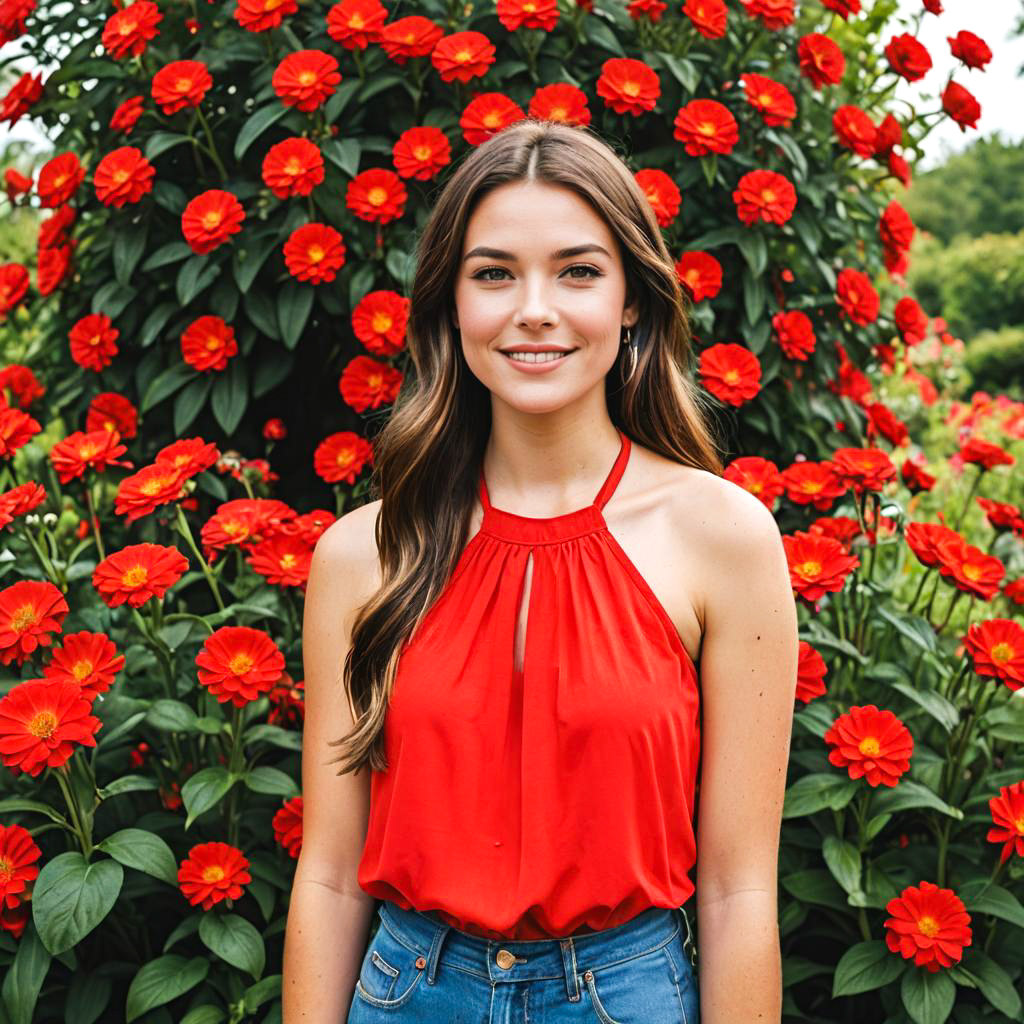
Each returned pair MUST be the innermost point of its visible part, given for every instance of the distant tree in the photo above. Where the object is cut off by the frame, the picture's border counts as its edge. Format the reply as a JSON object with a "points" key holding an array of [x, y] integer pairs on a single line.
{"points": [[985, 178]]}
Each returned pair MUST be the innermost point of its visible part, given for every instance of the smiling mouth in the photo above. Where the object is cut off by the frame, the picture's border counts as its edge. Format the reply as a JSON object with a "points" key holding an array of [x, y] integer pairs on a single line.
{"points": [[537, 357]]}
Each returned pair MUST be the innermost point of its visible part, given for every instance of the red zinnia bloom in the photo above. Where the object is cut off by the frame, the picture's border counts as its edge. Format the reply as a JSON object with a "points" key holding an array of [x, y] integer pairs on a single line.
{"points": [[287, 708], [486, 115], [238, 664], [19, 500], [293, 167], [971, 49], [709, 17], [260, 15], [274, 429], [124, 119], [516, 14], [16, 429], [970, 569], [773, 14], [143, 492], [138, 572], [13, 286], [810, 673], [764, 196], [123, 176], [662, 193], [794, 333], [706, 126], [112, 411], [1008, 820], [59, 178], [341, 457], [423, 151], [31, 611], [855, 130], [889, 134], [314, 252], [211, 218], [1002, 515], [961, 106], [411, 36], [560, 101], [732, 373], [882, 420], [820, 60], [895, 228], [818, 564], [926, 541], [377, 195], [80, 451], [21, 382], [189, 456], [89, 660], [463, 56], [907, 57], [628, 86], [996, 649], [52, 267], [21, 97], [368, 384], [915, 477], [379, 321], [863, 469], [282, 560], [213, 872], [287, 826], [700, 273], [985, 454], [929, 925], [208, 343], [844, 8], [870, 743], [911, 320], [757, 475], [18, 856], [94, 341], [857, 297], [127, 31], [772, 99], [13, 14], [55, 230], [356, 23], [16, 184], [181, 84], [306, 79]]}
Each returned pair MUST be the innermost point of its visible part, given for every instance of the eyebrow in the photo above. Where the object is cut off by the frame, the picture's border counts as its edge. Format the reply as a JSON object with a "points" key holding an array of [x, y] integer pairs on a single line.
{"points": [[560, 254]]}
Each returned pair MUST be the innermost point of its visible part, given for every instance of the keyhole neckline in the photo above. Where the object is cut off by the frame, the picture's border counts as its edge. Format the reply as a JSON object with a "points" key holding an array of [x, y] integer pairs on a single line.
{"points": [[526, 529]]}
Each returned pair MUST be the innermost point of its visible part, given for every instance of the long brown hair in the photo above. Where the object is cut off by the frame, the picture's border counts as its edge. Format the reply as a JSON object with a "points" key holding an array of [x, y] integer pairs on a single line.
{"points": [[427, 456]]}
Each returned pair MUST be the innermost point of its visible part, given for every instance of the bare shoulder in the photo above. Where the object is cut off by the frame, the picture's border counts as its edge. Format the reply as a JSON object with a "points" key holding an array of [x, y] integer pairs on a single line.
{"points": [[349, 547]]}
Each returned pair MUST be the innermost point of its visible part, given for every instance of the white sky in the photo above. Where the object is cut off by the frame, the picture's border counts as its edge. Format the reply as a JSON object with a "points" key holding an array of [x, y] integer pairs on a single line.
{"points": [[997, 88]]}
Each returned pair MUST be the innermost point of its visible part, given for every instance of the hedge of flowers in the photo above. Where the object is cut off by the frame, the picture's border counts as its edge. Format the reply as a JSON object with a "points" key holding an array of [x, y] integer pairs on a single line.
{"points": [[231, 209]]}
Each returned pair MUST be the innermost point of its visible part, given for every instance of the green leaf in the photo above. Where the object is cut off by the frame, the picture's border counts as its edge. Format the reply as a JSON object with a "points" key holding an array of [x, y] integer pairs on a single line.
{"points": [[256, 124], [72, 897], [916, 629], [755, 251], [23, 978], [88, 996], [261, 310], [683, 71], [270, 780], [709, 165], [344, 154], [864, 967], [932, 702], [189, 403], [160, 142], [980, 896], [206, 1014], [294, 304], [817, 791], [230, 396], [907, 794], [247, 260], [275, 736], [268, 373], [928, 997], [597, 32], [185, 928], [129, 245], [843, 860], [196, 275], [172, 252], [204, 790], [337, 103], [995, 984], [256, 995], [814, 886], [112, 298], [171, 380], [162, 980], [171, 716], [754, 297], [127, 784], [17, 803], [234, 940], [144, 851]]}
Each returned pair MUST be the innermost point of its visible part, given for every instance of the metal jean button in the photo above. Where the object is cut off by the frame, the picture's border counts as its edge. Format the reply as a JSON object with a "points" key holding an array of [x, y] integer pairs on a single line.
{"points": [[505, 959]]}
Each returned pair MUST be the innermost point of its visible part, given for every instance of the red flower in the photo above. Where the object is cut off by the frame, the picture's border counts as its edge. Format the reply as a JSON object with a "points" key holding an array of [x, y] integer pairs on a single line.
{"points": [[560, 101], [1002, 516], [857, 297], [138, 572], [929, 925], [16, 429], [855, 130], [341, 457], [907, 57], [870, 743], [628, 86], [985, 454], [21, 97], [971, 49], [732, 373], [772, 99], [306, 79], [211, 218], [293, 167], [260, 15], [368, 384], [411, 36], [189, 456], [961, 106], [970, 569], [287, 826], [208, 343], [124, 119], [463, 56], [283, 560], [238, 664], [915, 477], [706, 126], [274, 429], [181, 84], [810, 678], [94, 341], [757, 475], [882, 420], [356, 23], [89, 660], [112, 411], [1008, 820], [59, 179], [844, 8], [863, 469], [314, 252], [80, 451], [127, 31], [379, 321], [422, 152], [820, 60], [55, 229], [41, 721], [31, 612], [996, 649], [123, 176], [21, 382], [13, 14], [773, 14], [709, 17], [764, 196], [213, 872], [889, 134], [19, 500], [143, 492], [795, 334], [516, 14], [662, 193], [13, 286], [18, 856], [818, 565], [377, 195], [895, 228], [486, 115], [700, 273]]}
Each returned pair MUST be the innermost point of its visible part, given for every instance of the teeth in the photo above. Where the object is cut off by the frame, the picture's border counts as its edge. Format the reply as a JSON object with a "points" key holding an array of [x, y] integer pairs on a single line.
{"points": [[536, 357]]}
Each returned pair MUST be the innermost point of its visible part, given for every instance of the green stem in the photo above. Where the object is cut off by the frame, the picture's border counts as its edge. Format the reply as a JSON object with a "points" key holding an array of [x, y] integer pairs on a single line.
{"points": [[212, 148], [949, 611], [183, 529], [84, 840], [44, 562], [920, 587], [970, 498], [93, 523]]}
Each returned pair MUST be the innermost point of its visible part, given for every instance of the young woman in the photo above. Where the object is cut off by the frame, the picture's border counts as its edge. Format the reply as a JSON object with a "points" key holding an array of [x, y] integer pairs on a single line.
{"points": [[505, 644]]}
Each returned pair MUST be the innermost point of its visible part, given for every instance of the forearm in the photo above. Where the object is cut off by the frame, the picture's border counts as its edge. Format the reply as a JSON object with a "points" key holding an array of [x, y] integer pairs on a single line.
{"points": [[325, 941], [739, 959]]}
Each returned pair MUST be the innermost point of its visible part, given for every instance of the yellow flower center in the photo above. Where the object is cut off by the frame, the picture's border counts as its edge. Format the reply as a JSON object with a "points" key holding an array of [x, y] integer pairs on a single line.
{"points": [[182, 84], [43, 724], [731, 376], [288, 561], [211, 219], [1019, 824], [971, 571], [82, 670], [24, 617], [6, 871], [869, 746], [240, 664], [927, 925], [631, 88], [462, 56], [1001, 652], [811, 568], [135, 576], [375, 380], [155, 485], [356, 21], [377, 196], [316, 253], [121, 175], [421, 152], [213, 873], [706, 128], [768, 195], [293, 167], [343, 458], [213, 342], [382, 322], [307, 77]]}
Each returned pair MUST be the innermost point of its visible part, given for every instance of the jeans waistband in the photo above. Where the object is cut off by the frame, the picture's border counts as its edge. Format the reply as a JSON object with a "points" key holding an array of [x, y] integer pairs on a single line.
{"points": [[531, 959]]}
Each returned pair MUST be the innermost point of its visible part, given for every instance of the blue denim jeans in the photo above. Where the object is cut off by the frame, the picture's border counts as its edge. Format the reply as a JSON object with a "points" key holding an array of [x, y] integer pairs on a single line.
{"points": [[419, 969]]}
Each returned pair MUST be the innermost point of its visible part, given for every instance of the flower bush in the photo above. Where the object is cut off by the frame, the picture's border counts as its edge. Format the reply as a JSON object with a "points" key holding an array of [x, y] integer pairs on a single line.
{"points": [[226, 217]]}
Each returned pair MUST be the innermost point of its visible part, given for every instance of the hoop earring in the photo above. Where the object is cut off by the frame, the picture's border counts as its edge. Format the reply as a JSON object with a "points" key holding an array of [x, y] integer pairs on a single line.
{"points": [[632, 348]]}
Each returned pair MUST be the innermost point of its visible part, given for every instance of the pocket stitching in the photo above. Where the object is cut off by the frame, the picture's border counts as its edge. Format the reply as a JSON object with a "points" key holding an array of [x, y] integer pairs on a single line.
{"points": [[599, 1009], [385, 1004]]}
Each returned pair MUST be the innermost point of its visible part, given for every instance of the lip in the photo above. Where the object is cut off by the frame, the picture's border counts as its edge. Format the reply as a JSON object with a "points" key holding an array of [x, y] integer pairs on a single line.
{"points": [[534, 368]]}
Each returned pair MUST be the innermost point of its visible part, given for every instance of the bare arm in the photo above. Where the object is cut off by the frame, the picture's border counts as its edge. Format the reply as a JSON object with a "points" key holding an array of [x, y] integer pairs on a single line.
{"points": [[329, 916], [748, 683]]}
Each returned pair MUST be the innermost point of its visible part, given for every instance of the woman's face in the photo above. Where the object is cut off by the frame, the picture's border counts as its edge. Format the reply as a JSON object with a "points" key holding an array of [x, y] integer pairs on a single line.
{"points": [[522, 293]]}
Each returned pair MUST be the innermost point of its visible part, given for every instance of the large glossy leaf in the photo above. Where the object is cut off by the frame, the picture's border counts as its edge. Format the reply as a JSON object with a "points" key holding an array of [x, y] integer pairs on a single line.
{"points": [[71, 897], [234, 940], [162, 980], [866, 966]]}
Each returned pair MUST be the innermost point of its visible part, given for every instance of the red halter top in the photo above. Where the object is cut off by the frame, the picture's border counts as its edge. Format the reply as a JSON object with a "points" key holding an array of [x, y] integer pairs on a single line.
{"points": [[559, 799]]}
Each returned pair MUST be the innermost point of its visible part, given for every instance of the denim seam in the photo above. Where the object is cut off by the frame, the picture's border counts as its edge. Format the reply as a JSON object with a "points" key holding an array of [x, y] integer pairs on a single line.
{"points": [[633, 956]]}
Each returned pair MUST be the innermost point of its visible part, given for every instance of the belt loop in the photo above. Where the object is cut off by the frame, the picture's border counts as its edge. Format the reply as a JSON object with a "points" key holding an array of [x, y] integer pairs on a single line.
{"points": [[569, 963], [435, 951]]}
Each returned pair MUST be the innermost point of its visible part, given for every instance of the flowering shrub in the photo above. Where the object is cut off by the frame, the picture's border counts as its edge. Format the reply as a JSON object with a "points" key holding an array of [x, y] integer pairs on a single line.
{"points": [[225, 219]]}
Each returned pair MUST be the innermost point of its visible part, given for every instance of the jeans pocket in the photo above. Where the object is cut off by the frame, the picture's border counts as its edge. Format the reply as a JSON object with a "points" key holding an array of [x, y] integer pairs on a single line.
{"points": [[391, 971], [641, 989]]}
